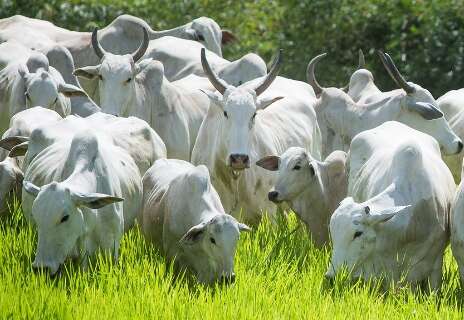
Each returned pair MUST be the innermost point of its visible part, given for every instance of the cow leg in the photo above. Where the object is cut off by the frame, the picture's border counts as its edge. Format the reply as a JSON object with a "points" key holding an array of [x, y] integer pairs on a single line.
{"points": [[435, 277]]}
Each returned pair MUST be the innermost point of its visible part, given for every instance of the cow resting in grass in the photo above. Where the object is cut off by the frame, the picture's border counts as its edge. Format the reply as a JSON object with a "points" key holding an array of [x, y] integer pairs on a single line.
{"points": [[184, 217], [340, 118], [76, 180], [312, 188], [29, 81], [395, 221], [262, 117]]}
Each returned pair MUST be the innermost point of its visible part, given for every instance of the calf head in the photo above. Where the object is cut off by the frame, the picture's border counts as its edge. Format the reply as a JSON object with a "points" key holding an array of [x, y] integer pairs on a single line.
{"points": [[239, 107], [299, 172], [354, 228], [42, 88], [116, 76], [212, 245], [61, 224]]}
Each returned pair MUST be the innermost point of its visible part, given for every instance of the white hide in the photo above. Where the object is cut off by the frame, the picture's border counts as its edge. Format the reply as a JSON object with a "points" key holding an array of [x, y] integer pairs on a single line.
{"points": [[395, 221], [312, 188], [29, 81], [241, 123], [184, 217]]}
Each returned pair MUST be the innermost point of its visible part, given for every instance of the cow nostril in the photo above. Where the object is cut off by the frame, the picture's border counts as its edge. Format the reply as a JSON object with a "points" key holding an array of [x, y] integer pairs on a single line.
{"points": [[272, 195], [246, 159], [460, 146]]}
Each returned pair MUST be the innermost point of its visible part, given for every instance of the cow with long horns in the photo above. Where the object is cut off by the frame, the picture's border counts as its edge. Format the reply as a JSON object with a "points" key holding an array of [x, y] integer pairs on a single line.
{"points": [[341, 118], [261, 117]]}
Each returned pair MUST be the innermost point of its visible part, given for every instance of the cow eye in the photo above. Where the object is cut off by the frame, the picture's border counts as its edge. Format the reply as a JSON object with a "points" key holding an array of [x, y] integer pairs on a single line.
{"points": [[357, 234], [56, 100], [297, 167], [254, 115], [128, 80], [225, 114], [212, 240], [28, 97], [65, 218], [100, 77]]}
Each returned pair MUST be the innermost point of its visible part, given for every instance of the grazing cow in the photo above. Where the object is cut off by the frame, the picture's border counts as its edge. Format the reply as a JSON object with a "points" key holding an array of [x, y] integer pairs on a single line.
{"points": [[195, 230], [340, 118], [395, 222], [245, 123], [11, 168], [29, 81], [312, 188], [74, 186]]}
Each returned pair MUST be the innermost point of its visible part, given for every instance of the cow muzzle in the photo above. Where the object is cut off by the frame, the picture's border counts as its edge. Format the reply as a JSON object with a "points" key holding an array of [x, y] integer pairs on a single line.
{"points": [[239, 161], [274, 196], [228, 279]]}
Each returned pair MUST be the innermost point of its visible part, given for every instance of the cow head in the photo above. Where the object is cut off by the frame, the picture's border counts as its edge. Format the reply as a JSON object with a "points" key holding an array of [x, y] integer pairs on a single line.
{"points": [[42, 88], [116, 75], [11, 179], [57, 212], [354, 229], [418, 105], [298, 172], [239, 107], [213, 243]]}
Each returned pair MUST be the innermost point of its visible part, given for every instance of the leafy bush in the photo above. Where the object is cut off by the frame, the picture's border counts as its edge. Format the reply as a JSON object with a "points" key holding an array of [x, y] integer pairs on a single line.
{"points": [[425, 38]]}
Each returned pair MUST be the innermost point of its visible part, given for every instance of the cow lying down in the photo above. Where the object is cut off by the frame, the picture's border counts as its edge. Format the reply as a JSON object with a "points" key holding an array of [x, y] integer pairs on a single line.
{"points": [[395, 222], [184, 217]]}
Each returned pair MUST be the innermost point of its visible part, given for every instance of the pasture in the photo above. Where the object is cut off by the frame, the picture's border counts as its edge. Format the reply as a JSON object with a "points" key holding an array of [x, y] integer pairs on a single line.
{"points": [[279, 276]]}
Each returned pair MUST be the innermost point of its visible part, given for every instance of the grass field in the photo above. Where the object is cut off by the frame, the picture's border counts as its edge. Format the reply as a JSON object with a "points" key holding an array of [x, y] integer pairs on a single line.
{"points": [[279, 276]]}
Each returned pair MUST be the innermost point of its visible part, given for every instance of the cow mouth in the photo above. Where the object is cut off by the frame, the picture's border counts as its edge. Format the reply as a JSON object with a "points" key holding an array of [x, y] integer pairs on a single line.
{"points": [[239, 166]]}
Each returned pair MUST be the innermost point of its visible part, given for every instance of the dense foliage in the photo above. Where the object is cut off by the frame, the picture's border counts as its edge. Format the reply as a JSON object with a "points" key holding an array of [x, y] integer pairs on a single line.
{"points": [[424, 36]]}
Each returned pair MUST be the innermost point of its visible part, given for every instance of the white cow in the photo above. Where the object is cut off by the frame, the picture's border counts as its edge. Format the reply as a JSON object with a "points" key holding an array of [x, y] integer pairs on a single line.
{"points": [[11, 168], [451, 103], [74, 186], [244, 124], [312, 188], [340, 118], [184, 217], [457, 226], [29, 81], [395, 222]]}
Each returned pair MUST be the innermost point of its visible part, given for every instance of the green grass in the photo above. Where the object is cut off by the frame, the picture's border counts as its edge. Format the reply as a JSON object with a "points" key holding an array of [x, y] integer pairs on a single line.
{"points": [[279, 276]]}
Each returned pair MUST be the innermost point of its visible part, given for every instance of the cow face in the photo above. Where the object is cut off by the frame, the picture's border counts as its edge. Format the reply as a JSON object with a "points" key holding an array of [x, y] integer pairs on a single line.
{"points": [[211, 246], [57, 212], [207, 32], [240, 106], [354, 228]]}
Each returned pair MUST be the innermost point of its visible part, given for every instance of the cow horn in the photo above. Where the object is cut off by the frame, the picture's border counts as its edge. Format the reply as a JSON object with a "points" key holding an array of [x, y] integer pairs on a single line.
{"points": [[361, 60], [99, 51], [143, 46], [213, 78], [271, 75], [311, 76], [394, 73]]}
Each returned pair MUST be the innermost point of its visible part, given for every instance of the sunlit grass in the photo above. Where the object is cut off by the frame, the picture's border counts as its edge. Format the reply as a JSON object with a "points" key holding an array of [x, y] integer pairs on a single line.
{"points": [[279, 276]]}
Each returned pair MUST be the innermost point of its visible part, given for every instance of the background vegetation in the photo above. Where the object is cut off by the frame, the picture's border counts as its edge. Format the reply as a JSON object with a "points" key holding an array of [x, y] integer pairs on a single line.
{"points": [[425, 37]]}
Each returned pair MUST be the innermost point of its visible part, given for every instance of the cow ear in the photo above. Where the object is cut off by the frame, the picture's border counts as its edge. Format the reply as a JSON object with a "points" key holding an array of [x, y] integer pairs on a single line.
{"points": [[383, 216], [31, 188], [263, 103], [228, 36], [194, 235], [69, 90], [213, 96], [426, 110], [94, 200], [243, 227], [89, 72], [19, 150], [270, 163], [9, 142]]}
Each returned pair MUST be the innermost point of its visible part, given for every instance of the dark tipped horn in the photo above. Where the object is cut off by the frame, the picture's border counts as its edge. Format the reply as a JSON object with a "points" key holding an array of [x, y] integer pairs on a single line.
{"points": [[311, 75], [99, 51], [393, 72], [143, 46], [361, 60], [213, 78], [271, 75]]}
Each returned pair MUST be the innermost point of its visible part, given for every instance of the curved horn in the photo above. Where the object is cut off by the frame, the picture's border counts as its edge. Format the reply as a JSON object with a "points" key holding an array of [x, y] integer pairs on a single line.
{"points": [[361, 60], [213, 78], [311, 76], [271, 75], [99, 51], [394, 73], [143, 46]]}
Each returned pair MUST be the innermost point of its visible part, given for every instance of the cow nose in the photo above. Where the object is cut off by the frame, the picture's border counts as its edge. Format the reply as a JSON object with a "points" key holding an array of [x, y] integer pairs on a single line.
{"points": [[239, 160], [272, 195], [460, 146], [228, 278]]}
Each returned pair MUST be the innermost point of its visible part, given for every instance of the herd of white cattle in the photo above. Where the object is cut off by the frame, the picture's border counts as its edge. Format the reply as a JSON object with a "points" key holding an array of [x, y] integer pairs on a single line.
{"points": [[162, 132]]}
